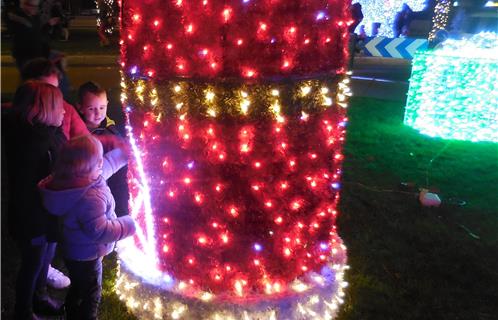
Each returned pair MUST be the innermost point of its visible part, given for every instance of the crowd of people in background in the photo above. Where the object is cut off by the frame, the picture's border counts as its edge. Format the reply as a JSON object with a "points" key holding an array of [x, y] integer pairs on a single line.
{"points": [[401, 20], [465, 16], [54, 17], [33, 24]]}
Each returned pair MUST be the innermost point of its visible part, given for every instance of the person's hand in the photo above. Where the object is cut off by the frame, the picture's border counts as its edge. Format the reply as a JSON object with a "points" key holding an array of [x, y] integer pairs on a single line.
{"points": [[123, 144], [111, 142]]}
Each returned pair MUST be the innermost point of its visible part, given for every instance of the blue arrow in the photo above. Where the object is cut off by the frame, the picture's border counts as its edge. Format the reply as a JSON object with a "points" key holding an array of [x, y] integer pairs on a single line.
{"points": [[402, 48], [366, 49], [381, 46]]}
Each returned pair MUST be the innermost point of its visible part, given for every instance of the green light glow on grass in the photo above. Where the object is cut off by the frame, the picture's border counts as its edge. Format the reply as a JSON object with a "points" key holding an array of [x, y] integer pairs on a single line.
{"points": [[453, 90]]}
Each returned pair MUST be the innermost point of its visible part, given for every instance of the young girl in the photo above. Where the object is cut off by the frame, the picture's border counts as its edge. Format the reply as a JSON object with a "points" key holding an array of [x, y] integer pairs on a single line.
{"points": [[32, 139], [77, 192]]}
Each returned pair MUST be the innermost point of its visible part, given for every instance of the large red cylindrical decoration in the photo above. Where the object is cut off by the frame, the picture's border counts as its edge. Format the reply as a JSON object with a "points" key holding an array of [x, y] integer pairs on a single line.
{"points": [[236, 118]]}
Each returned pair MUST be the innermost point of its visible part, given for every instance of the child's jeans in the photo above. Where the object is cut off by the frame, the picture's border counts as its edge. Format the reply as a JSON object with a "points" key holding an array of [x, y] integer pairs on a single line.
{"points": [[83, 298], [36, 256]]}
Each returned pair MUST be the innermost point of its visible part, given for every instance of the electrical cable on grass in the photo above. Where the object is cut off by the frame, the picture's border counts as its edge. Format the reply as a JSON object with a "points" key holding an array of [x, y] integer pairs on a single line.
{"points": [[467, 230], [377, 189], [429, 166]]}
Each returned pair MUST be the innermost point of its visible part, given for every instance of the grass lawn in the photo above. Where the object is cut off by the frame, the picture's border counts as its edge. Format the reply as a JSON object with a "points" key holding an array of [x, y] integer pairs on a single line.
{"points": [[407, 261]]}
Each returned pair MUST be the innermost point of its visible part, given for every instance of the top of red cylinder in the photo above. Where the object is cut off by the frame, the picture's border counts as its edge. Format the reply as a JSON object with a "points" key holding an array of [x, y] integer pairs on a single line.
{"points": [[242, 39]]}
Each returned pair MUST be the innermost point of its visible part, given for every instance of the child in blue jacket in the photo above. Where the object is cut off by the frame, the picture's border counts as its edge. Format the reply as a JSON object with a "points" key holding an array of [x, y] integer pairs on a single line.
{"points": [[92, 105], [77, 192]]}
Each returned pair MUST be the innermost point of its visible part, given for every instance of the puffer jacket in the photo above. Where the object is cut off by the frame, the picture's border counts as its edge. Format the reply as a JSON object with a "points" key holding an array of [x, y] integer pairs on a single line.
{"points": [[72, 125], [89, 225], [118, 183]]}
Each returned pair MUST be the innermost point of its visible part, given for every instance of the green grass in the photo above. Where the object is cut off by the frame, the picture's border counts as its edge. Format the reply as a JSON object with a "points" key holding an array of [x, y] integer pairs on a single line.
{"points": [[111, 307], [387, 152], [407, 261]]}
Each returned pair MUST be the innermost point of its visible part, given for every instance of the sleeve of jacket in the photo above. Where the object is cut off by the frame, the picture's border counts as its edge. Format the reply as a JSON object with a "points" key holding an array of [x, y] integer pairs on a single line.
{"points": [[113, 161], [98, 227]]}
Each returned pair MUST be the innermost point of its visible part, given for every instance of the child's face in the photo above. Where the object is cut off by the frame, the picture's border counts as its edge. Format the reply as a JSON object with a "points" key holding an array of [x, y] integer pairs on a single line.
{"points": [[97, 171], [94, 109]]}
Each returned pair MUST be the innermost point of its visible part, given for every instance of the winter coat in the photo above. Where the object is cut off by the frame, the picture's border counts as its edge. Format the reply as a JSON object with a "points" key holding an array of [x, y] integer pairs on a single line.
{"points": [[72, 125], [31, 151], [88, 223], [118, 183]]}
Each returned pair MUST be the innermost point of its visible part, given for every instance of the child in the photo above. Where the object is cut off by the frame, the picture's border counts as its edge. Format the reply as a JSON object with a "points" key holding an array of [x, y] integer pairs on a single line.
{"points": [[44, 70], [77, 192], [92, 105], [33, 139]]}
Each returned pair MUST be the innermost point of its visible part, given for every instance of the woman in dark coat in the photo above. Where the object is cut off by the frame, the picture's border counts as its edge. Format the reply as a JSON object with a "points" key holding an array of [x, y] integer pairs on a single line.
{"points": [[32, 138]]}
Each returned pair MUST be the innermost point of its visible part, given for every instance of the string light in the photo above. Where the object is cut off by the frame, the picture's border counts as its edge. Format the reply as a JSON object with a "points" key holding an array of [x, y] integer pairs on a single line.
{"points": [[294, 40], [453, 89], [240, 100], [106, 15], [440, 18], [212, 137], [325, 294]]}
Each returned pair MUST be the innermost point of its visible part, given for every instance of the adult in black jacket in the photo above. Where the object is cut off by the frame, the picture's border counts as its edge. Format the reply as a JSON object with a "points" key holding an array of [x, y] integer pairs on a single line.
{"points": [[402, 20], [32, 139], [29, 37]]}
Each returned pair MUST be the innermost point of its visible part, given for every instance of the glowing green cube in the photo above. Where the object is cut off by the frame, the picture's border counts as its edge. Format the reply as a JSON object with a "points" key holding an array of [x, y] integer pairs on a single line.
{"points": [[453, 93]]}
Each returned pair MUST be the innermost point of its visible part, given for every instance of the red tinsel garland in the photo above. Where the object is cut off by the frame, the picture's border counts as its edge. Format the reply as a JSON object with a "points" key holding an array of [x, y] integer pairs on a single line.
{"points": [[250, 39]]}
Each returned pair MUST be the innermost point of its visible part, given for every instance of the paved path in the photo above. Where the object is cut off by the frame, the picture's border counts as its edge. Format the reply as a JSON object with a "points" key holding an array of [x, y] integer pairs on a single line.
{"points": [[103, 69]]}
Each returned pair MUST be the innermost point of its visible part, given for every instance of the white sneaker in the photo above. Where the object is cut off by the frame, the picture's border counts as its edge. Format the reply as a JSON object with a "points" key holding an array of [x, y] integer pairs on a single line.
{"points": [[57, 279]]}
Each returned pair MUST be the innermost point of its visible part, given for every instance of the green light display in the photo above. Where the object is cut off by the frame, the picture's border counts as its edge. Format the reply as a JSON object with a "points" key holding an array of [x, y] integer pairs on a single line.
{"points": [[453, 91]]}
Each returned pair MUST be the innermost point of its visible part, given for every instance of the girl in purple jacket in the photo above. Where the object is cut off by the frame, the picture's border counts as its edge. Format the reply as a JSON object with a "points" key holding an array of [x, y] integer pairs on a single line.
{"points": [[78, 194]]}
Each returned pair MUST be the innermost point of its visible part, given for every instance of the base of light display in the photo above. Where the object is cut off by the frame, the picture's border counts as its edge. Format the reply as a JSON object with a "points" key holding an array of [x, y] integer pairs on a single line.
{"points": [[155, 295]]}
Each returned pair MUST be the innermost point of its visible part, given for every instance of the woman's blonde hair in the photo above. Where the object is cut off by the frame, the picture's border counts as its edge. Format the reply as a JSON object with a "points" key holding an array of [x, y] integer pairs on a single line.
{"points": [[36, 102], [78, 158]]}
